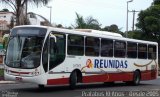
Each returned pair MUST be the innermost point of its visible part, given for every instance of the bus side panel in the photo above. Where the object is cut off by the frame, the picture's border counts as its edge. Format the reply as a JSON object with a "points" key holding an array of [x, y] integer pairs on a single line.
{"points": [[109, 77], [58, 81], [149, 75]]}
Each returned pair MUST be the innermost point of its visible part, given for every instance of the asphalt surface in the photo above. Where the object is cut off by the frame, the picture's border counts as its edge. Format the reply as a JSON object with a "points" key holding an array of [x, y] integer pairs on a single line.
{"points": [[145, 89]]}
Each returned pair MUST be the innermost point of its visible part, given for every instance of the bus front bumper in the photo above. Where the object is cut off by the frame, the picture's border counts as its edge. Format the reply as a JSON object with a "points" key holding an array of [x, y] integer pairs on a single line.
{"points": [[40, 79]]}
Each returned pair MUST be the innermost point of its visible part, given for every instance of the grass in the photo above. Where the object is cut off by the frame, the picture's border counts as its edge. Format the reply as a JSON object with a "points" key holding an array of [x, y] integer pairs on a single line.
{"points": [[1, 72]]}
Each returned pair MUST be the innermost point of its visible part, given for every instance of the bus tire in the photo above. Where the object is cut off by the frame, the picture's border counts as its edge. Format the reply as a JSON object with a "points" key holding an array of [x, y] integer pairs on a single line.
{"points": [[73, 80], [109, 83], [136, 78], [41, 86]]}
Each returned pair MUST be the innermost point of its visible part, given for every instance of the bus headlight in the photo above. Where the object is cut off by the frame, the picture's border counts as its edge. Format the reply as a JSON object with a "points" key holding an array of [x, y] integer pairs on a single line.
{"points": [[7, 71], [35, 73]]}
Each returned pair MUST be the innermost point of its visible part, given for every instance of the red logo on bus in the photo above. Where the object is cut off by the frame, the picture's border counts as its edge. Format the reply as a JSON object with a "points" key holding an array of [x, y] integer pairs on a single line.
{"points": [[89, 63]]}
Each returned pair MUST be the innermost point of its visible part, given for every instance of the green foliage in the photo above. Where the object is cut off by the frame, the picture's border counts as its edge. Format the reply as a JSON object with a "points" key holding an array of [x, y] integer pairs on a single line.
{"points": [[5, 41], [149, 21], [59, 26], [156, 2], [88, 23], [136, 34], [112, 28], [1, 72]]}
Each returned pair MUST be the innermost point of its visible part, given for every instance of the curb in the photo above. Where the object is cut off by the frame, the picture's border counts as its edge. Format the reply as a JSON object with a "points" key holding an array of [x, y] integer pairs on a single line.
{"points": [[7, 82], [1, 78]]}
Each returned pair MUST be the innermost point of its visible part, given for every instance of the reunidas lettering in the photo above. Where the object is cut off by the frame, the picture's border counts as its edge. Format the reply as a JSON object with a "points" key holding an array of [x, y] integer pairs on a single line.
{"points": [[101, 63]]}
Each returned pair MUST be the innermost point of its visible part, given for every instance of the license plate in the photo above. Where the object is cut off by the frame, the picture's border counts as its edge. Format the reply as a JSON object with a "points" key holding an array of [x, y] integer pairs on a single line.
{"points": [[19, 79]]}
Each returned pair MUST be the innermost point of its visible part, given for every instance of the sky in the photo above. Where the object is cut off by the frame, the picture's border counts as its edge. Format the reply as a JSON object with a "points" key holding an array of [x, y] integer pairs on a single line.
{"points": [[107, 12]]}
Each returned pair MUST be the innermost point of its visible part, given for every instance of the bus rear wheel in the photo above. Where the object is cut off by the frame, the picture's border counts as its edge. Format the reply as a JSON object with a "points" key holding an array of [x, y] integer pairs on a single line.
{"points": [[73, 80], [136, 78]]}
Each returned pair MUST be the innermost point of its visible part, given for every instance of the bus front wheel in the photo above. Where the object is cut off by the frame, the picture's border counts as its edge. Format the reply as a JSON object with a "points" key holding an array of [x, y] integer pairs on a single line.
{"points": [[73, 80]]}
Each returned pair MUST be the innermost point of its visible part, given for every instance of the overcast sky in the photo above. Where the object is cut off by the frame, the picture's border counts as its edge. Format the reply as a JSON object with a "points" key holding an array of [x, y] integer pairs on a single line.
{"points": [[107, 12]]}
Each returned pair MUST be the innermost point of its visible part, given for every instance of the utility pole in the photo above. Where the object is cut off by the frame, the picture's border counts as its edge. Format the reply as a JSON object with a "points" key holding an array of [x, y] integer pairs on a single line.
{"points": [[26, 12], [26, 7], [50, 7], [127, 18], [134, 12]]}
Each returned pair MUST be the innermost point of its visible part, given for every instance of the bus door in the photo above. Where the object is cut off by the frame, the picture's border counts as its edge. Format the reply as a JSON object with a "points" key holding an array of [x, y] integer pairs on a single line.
{"points": [[49, 53], [56, 52], [52, 51]]}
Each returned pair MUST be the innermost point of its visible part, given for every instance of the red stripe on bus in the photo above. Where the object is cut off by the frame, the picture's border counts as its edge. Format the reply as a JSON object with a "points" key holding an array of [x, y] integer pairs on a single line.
{"points": [[57, 81], [145, 75], [108, 77], [149, 75]]}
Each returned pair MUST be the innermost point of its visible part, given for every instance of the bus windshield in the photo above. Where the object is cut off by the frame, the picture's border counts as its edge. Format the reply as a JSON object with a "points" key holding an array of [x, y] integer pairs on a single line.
{"points": [[24, 48]]}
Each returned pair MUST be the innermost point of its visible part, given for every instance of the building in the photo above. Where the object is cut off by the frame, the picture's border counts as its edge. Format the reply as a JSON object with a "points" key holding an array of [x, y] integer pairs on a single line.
{"points": [[5, 20]]}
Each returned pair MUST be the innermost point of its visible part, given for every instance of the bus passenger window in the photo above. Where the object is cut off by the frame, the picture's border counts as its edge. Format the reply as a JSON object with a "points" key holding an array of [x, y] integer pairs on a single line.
{"points": [[92, 46], [119, 49], [75, 45], [131, 50], [106, 48], [142, 51], [152, 52]]}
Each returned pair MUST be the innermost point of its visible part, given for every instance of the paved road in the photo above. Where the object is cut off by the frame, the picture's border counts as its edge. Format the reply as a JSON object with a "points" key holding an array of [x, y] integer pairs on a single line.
{"points": [[146, 88]]}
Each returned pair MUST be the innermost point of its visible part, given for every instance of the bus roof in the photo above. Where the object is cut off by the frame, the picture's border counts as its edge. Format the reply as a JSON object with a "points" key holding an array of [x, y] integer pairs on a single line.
{"points": [[99, 32], [91, 32]]}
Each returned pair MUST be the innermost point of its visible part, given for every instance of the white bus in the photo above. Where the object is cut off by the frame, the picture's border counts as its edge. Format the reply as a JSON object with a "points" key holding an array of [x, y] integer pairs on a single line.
{"points": [[54, 56]]}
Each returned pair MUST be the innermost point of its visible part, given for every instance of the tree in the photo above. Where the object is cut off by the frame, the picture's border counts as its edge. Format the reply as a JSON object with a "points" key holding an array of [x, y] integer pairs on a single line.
{"points": [[59, 26], [92, 23], [136, 34], [19, 7], [149, 21], [11, 25], [156, 2], [88, 23], [112, 28]]}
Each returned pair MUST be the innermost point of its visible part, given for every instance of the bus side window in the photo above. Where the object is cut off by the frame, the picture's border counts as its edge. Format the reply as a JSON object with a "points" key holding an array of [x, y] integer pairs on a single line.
{"points": [[119, 49], [75, 45], [152, 52], [131, 50], [92, 46], [142, 51], [53, 49], [106, 48]]}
